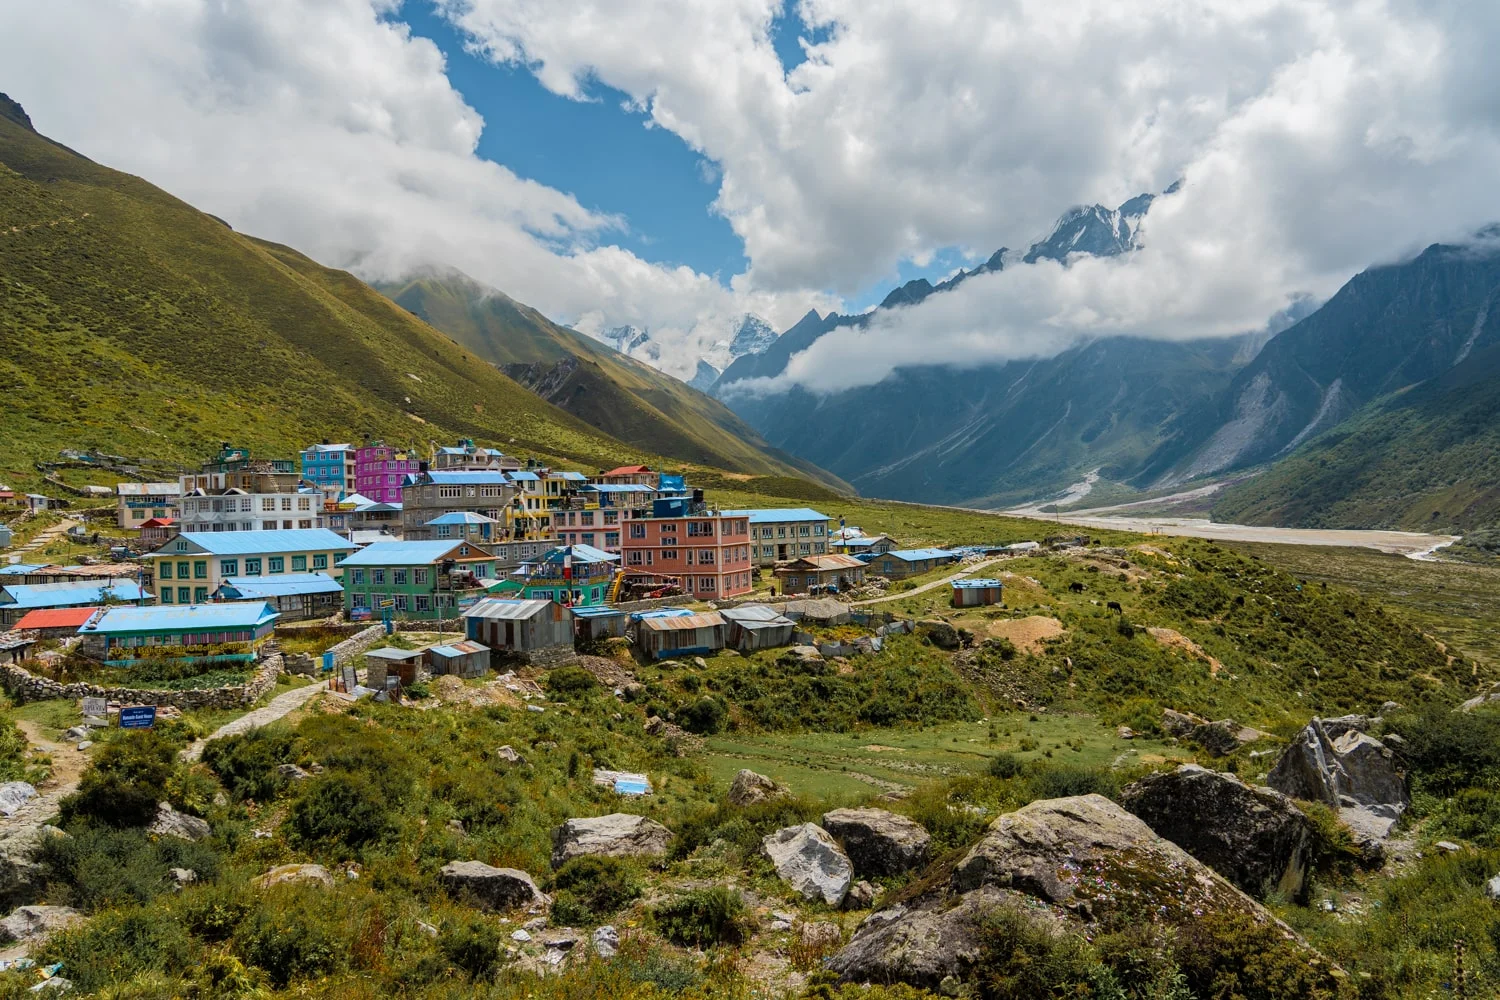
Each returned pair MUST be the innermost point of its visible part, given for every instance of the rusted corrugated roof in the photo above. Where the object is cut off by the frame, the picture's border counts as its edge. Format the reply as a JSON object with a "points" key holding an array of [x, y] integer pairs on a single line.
{"points": [[707, 620]]}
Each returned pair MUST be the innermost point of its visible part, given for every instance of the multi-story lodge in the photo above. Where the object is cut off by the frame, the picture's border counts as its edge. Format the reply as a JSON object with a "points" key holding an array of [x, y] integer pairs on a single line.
{"points": [[465, 455], [140, 502], [427, 579], [706, 551], [189, 568], [380, 470], [790, 533], [329, 467], [429, 495], [234, 492]]}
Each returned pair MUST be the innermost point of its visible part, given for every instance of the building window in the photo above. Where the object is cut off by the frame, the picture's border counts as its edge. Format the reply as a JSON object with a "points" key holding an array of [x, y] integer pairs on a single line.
{"points": [[184, 595], [320, 562], [805, 548], [668, 555], [164, 570], [804, 531], [200, 595], [200, 569], [304, 503], [424, 603], [166, 595], [705, 583], [299, 564], [184, 570], [276, 564], [400, 602], [268, 525], [635, 559], [637, 531], [252, 567], [229, 567], [305, 523], [286, 503], [705, 557], [359, 575], [818, 529], [379, 576], [400, 577], [421, 577], [139, 515]]}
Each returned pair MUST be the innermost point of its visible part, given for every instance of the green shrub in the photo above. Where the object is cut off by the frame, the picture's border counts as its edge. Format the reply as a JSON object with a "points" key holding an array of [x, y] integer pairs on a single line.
{"points": [[706, 716], [12, 751], [214, 912], [473, 945], [246, 764], [1449, 750], [1058, 781], [293, 932], [1005, 765], [703, 917], [1334, 851], [1022, 959], [592, 888], [104, 866], [120, 944], [1234, 956], [1471, 814], [341, 808], [571, 683], [128, 777]]}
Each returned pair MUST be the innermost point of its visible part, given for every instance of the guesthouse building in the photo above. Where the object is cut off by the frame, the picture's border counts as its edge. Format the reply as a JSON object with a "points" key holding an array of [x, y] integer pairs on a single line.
{"points": [[422, 580], [188, 569]]}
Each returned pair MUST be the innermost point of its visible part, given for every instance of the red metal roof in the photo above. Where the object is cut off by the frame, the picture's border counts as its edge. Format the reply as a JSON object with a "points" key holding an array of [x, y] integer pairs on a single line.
{"points": [[628, 470], [158, 522], [56, 618]]}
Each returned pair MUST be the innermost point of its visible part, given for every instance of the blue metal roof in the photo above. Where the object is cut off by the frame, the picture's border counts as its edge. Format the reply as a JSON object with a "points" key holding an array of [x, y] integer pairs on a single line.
{"points": [[262, 588], [778, 515], [64, 595], [250, 543], [580, 553], [468, 477], [404, 553], [576, 477], [917, 555], [597, 611], [21, 569], [980, 584], [525, 477], [462, 517], [180, 618]]}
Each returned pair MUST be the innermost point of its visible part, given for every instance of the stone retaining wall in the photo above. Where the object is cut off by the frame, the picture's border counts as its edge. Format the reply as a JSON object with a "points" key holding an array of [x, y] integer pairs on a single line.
{"points": [[439, 625], [27, 686], [351, 647]]}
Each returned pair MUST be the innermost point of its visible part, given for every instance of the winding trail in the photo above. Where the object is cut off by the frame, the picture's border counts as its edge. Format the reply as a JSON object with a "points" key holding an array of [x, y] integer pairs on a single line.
{"points": [[945, 581], [46, 536], [278, 707]]}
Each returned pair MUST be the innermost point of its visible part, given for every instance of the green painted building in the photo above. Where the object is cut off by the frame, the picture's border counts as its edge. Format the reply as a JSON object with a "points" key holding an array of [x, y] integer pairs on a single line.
{"points": [[422, 580]]}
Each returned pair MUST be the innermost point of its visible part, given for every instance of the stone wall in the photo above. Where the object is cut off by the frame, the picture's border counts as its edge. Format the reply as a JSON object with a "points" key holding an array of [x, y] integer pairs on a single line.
{"points": [[351, 647], [439, 625], [27, 686]]}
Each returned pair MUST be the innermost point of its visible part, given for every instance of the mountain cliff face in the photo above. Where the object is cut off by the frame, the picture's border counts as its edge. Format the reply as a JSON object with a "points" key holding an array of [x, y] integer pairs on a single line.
{"points": [[746, 335]]}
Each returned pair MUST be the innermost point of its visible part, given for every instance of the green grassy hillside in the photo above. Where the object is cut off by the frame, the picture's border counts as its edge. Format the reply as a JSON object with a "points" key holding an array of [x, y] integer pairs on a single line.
{"points": [[134, 324], [606, 389]]}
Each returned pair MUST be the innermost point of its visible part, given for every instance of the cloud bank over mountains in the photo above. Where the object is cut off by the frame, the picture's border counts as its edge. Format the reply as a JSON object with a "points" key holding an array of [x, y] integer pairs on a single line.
{"points": [[1313, 137]]}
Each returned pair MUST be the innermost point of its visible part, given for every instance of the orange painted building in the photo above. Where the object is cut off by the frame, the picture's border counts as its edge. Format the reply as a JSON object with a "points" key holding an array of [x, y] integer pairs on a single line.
{"points": [[709, 553]]}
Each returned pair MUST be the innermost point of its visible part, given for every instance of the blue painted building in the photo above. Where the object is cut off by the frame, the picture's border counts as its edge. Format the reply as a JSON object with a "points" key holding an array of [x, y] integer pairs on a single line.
{"points": [[330, 467], [898, 564]]}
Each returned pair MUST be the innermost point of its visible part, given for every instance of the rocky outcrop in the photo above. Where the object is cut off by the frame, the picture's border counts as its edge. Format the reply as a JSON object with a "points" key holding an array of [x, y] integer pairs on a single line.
{"points": [[37, 923], [879, 842], [297, 874], [939, 633], [1335, 762], [1062, 863], [617, 835], [171, 823], [1220, 738], [14, 795], [1257, 838], [749, 788], [809, 860], [492, 888], [22, 880]]}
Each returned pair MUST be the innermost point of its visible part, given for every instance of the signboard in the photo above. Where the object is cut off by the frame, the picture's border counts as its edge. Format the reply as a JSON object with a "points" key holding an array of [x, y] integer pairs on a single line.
{"points": [[388, 603], [328, 662], [138, 717], [360, 614], [351, 680], [95, 706]]}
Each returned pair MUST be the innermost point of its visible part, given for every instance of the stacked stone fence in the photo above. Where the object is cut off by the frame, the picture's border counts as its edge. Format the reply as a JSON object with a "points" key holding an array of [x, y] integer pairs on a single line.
{"points": [[26, 686], [366, 638], [427, 625]]}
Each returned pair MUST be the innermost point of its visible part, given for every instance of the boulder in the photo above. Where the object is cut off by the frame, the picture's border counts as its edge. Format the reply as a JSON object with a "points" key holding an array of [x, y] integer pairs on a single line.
{"points": [[1070, 864], [1180, 724], [606, 941], [53, 983], [1257, 838], [508, 754], [939, 633], [36, 923], [861, 896], [76, 734], [617, 835], [811, 861], [1222, 738], [1333, 762], [804, 653], [22, 880], [171, 823], [296, 874], [182, 876], [291, 772], [748, 788], [877, 841], [1492, 888], [492, 888], [14, 795], [1478, 701]]}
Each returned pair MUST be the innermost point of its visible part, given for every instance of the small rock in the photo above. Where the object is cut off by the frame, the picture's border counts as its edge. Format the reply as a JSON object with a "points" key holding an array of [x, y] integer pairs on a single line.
{"points": [[51, 983], [606, 941], [293, 874], [76, 733], [1448, 846], [700, 663], [535, 924], [427, 928], [85, 745], [861, 896], [291, 772], [457, 826], [561, 938], [37, 923], [939, 633], [520, 936], [951, 986], [535, 708], [617, 835], [1492, 888], [171, 823], [508, 754], [748, 788], [13, 795], [183, 876], [1124, 733]]}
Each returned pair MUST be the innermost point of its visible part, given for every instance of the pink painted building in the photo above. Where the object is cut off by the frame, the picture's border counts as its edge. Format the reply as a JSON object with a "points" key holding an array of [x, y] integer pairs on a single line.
{"points": [[708, 553], [379, 470]]}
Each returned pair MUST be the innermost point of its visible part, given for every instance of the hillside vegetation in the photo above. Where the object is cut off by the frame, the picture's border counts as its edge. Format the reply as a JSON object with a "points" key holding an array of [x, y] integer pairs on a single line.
{"points": [[614, 393]]}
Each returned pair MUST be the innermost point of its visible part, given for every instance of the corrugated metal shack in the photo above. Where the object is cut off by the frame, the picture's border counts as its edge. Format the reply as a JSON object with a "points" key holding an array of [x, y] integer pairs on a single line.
{"points": [[601, 622], [672, 632], [977, 593], [755, 626], [523, 627], [462, 659], [819, 611]]}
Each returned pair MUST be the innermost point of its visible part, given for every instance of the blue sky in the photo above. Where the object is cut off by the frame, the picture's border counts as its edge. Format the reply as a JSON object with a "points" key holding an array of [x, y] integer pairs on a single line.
{"points": [[605, 155]]}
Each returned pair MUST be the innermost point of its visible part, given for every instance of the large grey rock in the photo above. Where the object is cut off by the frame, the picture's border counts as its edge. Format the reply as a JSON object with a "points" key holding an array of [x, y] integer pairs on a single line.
{"points": [[171, 823], [879, 842], [297, 874], [1255, 837], [606, 941], [1492, 888], [1072, 863], [22, 880], [14, 795], [749, 788], [493, 888], [811, 861], [1334, 762], [37, 923], [939, 633], [617, 835]]}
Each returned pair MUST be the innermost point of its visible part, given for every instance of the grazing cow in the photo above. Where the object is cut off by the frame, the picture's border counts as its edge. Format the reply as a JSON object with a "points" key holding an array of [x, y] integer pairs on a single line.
{"points": [[1076, 588], [1115, 606]]}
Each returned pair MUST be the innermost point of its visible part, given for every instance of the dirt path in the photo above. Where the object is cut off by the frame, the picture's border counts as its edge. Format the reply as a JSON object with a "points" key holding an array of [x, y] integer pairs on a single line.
{"points": [[945, 581], [46, 536], [278, 707], [68, 764]]}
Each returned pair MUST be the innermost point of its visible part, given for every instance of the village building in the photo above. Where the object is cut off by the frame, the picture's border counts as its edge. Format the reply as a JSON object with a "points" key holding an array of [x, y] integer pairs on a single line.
{"points": [[535, 631], [593, 624], [429, 495], [56, 623], [705, 551], [16, 600], [465, 524], [40, 502], [465, 658], [380, 470], [671, 632], [977, 593], [830, 572], [156, 530], [819, 611], [391, 663], [756, 626], [862, 546], [628, 475], [5, 536], [233, 492], [19, 572], [898, 564], [137, 503], [217, 633], [429, 580], [780, 534], [466, 456], [190, 567], [330, 468], [295, 596], [572, 575]]}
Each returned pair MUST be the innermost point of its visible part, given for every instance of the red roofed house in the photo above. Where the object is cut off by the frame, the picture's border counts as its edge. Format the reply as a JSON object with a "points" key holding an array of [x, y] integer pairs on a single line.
{"points": [[628, 475], [157, 530], [55, 623]]}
